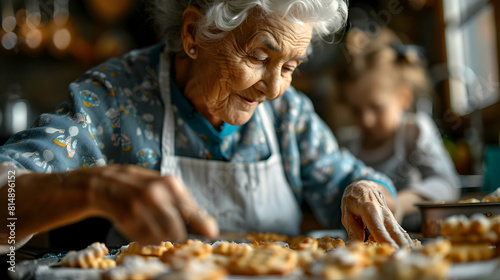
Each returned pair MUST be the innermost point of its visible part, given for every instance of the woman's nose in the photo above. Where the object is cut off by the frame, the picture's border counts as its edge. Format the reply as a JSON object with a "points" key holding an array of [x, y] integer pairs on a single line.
{"points": [[269, 84]]}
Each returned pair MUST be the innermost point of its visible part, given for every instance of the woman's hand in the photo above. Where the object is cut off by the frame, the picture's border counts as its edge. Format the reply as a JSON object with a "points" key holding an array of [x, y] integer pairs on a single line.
{"points": [[364, 206], [145, 206]]}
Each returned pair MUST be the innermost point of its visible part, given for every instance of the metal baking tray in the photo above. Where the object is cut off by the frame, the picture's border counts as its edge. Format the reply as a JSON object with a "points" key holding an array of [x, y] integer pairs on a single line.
{"points": [[433, 214]]}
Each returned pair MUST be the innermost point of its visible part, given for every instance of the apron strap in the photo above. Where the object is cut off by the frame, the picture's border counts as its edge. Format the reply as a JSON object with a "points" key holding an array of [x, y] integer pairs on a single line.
{"points": [[268, 123], [168, 165]]}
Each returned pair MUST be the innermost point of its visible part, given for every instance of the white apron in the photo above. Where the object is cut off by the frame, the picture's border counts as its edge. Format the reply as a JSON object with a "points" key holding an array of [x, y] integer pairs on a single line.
{"points": [[241, 196]]}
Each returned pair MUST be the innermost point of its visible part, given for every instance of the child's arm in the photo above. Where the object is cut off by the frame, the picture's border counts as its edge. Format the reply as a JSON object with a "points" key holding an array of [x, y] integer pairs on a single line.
{"points": [[438, 177], [406, 201]]}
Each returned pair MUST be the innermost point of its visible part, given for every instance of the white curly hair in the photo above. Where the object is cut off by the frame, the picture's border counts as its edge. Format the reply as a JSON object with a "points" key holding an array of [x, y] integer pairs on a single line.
{"points": [[221, 16]]}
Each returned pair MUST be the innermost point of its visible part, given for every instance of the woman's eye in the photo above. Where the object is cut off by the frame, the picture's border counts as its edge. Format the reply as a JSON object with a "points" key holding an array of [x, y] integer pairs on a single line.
{"points": [[290, 66], [260, 59]]}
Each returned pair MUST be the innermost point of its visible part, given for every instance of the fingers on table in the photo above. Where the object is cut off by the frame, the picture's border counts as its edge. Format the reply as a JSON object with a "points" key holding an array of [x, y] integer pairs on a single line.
{"points": [[355, 229], [384, 227], [162, 205], [400, 235], [151, 217], [156, 226], [198, 219], [170, 188], [167, 217], [395, 230]]}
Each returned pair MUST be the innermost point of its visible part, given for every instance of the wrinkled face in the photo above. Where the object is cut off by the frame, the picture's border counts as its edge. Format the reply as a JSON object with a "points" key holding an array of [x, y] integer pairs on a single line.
{"points": [[252, 64], [376, 105]]}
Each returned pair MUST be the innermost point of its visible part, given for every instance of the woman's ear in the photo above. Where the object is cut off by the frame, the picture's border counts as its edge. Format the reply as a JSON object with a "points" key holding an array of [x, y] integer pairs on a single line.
{"points": [[190, 18]]}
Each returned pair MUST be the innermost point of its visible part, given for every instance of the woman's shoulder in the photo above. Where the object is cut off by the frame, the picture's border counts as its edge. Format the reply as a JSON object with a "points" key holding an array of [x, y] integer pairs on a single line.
{"points": [[144, 57], [128, 83], [134, 68]]}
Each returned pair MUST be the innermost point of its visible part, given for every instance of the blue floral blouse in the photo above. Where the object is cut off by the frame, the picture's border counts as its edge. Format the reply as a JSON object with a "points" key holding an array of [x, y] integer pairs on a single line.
{"points": [[115, 115]]}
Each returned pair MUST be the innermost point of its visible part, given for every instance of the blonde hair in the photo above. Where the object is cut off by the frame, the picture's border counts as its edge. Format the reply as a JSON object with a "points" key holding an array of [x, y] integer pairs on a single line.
{"points": [[383, 51]]}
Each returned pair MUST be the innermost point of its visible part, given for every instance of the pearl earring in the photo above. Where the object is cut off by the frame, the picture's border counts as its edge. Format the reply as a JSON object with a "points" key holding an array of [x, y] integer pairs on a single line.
{"points": [[192, 51]]}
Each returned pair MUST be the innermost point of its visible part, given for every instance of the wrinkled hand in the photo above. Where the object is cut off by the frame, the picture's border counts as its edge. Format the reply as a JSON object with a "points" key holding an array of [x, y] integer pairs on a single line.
{"points": [[364, 206], [145, 206]]}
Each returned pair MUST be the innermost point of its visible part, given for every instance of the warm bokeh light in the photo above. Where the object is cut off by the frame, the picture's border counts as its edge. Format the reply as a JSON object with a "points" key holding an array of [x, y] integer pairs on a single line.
{"points": [[33, 38], [33, 19], [61, 17], [21, 17], [61, 39], [110, 10]]}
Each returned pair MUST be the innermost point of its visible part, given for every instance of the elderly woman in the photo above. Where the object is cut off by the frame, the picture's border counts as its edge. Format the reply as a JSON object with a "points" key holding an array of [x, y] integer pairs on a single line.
{"points": [[206, 132]]}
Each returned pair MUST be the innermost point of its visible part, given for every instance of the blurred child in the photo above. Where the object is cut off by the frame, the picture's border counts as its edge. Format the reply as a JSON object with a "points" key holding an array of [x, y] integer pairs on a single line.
{"points": [[378, 84]]}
